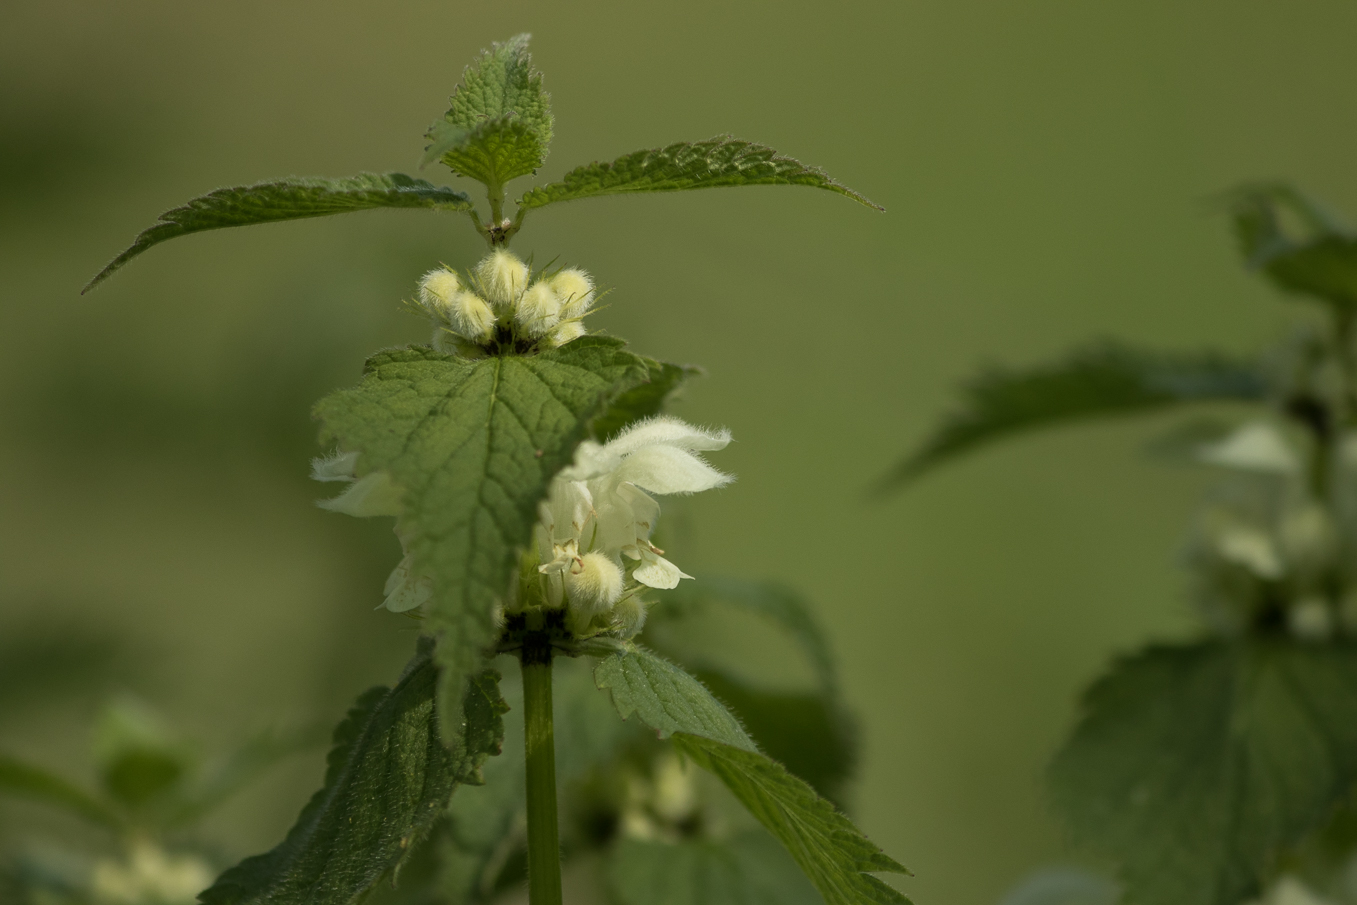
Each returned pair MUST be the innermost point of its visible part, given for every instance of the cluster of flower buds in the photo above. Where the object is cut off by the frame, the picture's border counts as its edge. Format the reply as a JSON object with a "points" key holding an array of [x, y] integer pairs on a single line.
{"points": [[500, 305]]}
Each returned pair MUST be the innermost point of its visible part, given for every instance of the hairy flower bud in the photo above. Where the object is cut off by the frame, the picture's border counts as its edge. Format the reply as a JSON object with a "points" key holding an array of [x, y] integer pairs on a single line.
{"points": [[576, 291], [564, 333], [503, 277], [629, 615], [437, 290], [471, 316], [593, 586], [539, 309]]}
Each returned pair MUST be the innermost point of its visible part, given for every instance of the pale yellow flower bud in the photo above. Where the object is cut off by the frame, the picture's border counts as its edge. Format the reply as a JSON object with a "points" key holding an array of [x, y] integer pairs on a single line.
{"points": [[576, 291], [471, 316], [503, 277], [437, 290], [593, 586], [564, 333], [629, 615], [539, 310]]}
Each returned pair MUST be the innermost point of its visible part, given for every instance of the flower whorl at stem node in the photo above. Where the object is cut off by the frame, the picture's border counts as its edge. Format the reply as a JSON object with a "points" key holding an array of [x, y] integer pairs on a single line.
{"points": [[500, 303], [594, 555]]}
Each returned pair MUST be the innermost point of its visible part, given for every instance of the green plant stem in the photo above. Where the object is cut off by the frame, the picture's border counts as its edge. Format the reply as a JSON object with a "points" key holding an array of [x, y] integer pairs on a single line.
{"points": [[544, 846]]}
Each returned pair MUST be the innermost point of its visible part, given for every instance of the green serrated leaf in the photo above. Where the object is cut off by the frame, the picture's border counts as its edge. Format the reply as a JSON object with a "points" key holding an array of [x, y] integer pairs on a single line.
{"points": [[500, 117], [1106, 379], [666, 698], [810, 734], [388, 779], [832, 853], [27, 780], [716, 162], [497, 151], [1315, 255], [289, 199], [1194, 766], [747, 869], [474, 445], [826, 845], [644, 400]]}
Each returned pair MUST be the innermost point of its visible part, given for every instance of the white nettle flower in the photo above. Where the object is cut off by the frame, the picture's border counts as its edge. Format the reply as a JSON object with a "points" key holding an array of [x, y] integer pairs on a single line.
{"points": [[600, 513]]}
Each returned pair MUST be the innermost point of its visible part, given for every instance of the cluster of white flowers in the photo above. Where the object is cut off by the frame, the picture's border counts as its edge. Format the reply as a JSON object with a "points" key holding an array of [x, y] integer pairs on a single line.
{"points": [[500, 300], [1265, 541], [595, 554]]}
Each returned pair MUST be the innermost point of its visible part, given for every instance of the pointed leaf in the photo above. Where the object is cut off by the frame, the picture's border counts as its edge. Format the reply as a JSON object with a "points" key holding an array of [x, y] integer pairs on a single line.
{"points": [[496, 151], [502, 115], [832, 853], [747, 869], [666, 698], [388, 780], [20, 778], [289, 199], [810, 734], [716, 162], [1194, 766], [474, 444], [1103, 380], [643, 400], [1316, 256]]}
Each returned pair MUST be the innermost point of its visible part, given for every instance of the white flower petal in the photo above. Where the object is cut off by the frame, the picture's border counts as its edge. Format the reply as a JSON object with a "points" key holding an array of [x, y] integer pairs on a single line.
{"points": [[663, 430], [667, 469], [372, 494], [405, 592], [657, 572], [337, 467]]}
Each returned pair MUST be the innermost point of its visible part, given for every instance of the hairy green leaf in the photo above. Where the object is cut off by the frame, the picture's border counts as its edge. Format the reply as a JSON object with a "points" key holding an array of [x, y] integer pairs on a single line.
{"points": [[496, 151], [829, 849], [31, 781], [1300, 246], [1194, 765], [388, 779], [666, 698], [1103, 380], [716, 162], [644, 400], [499, 123], [811, 734], [289, 199], [747, 869], [833, 854], [474, 445]]}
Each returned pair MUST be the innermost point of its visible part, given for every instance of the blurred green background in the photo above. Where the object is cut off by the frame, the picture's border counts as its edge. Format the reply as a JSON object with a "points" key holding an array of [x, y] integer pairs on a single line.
{"points": [[1048, 169]]}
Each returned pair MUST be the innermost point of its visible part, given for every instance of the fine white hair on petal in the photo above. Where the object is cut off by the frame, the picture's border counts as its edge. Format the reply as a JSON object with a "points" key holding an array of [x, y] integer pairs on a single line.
{"points": [[667, 431], [667, 469], [373, 494], [565, 333], [471, 316], [339, 466], [539, 310], [594, 587]]}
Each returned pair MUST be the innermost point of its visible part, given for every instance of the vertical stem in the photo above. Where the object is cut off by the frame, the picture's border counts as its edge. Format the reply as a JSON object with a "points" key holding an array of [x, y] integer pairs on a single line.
{"points": [[544, 847]]}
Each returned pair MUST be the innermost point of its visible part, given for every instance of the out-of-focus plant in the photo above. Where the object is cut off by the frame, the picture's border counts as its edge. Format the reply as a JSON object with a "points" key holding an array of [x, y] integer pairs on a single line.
{"points": [[1221, 769], [153, 789], [521, 456]]}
